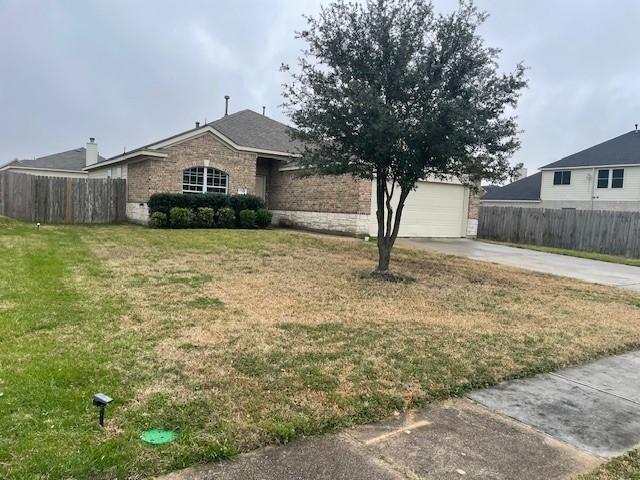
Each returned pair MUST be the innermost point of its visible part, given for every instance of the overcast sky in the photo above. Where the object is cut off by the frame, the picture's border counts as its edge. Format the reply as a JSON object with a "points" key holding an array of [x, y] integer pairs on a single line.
{"points": [[132, 72]]}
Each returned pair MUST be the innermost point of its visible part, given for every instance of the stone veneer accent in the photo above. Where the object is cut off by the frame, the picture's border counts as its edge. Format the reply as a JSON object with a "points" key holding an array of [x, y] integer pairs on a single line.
{"points": [[474, 213], [137, 213], [150, 176], [351, 223]]}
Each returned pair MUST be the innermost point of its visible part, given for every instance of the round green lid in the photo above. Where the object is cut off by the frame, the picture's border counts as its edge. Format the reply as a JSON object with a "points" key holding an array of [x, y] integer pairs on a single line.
{"points": [[157, 436]]}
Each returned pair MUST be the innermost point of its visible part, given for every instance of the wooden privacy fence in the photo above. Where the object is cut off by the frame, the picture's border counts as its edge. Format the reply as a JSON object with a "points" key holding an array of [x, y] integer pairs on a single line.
{"points": [[61, 199], [602, 231]]}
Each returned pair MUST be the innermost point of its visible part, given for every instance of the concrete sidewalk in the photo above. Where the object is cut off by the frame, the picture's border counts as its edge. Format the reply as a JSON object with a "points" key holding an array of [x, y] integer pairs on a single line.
{"points": [[548, 427], [592, 271], [450, 440]]}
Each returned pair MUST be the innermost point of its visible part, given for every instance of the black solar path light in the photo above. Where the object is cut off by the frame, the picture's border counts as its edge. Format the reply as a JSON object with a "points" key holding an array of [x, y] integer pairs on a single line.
{"points": [[101, 400]]}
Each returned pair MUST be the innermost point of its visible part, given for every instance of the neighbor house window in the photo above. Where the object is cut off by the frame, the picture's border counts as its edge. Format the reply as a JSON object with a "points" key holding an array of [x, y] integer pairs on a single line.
{"points": [[562, 178], [603, 178], [204, 180], [617, 178]]}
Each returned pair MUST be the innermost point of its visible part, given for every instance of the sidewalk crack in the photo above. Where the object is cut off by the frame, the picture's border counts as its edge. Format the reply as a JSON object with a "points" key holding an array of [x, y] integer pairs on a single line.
{"points": [[592, 387]]}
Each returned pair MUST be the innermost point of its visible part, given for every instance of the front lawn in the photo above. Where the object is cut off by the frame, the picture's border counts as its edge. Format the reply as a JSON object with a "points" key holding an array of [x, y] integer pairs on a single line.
{"points": [[237, 339]]}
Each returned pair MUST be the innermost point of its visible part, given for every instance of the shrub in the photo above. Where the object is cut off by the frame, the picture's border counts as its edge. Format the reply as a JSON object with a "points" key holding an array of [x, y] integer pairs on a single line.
{"points": [[247, 218], [164, 202], [226, 217], [245, 202], [206, 218], [263, 217], [158, 220], [180, 217], [208, 200]]}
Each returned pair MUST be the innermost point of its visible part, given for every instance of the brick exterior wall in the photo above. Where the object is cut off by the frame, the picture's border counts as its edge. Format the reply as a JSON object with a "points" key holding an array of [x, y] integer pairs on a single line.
{"points": [[138, 181], [165, 175], [289, 190]]}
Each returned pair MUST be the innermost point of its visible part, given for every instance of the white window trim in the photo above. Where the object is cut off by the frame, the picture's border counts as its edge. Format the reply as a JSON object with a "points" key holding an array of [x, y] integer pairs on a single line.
{"points": [[204, 180]]}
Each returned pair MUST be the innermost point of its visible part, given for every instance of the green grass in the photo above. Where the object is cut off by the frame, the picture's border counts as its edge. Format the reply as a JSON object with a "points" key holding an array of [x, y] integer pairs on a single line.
{"points": [[237, 339], [625, 467], [634, 262]]}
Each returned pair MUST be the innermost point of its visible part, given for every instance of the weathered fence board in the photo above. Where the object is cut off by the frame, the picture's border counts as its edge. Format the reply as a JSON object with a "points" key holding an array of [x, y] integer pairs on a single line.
{"points": [[601, 231], [62, 200]]}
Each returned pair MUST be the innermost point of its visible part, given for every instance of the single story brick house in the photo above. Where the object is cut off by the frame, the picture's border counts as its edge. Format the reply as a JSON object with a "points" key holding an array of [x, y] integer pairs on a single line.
{"points": [[247, 152]]}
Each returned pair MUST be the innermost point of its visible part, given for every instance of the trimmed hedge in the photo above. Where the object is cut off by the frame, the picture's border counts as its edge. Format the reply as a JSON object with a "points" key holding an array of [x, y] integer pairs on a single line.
{"points": [[180, 217], [193, 210], [247, 219], [245, 202], [263, 218], [226, 217], [164, 202], [158, 220], [205, 217]]}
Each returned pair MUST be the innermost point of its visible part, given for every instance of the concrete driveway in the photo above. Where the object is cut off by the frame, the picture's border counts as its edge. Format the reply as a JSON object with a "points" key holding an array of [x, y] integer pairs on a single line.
{"points": [[592, 271]]}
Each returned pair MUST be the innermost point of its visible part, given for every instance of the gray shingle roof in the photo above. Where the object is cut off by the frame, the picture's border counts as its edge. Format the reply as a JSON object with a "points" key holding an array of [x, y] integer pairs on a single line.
{"points": [[70, 160], [247, 129], [489, 188], [621, 150], [251, 129], [527, 188]]}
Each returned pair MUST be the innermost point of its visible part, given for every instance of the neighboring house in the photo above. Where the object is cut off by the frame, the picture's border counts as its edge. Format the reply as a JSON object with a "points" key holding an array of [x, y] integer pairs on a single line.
{"points": [[487, 189], [64, 164], [603, 177], [247, 152]]}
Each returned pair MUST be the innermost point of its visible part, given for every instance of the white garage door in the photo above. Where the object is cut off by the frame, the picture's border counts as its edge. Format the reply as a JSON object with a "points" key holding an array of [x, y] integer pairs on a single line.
{"points": [[433, 210]]}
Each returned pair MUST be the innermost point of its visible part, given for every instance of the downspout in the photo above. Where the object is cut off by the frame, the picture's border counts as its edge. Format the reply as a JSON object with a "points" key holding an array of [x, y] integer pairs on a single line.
{"points": [[593, 187]]}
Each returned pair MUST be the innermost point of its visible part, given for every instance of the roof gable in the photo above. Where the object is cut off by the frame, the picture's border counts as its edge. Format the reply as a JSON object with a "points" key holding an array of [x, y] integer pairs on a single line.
{"points": [[244, 130], [250, 129], [621, 150]]}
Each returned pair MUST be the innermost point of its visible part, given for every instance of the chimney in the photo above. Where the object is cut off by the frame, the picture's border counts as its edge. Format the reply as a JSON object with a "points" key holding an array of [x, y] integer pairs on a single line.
{"points": [[92, 152], [519, 174], [263, 109], [226, 105], [197, 124]]}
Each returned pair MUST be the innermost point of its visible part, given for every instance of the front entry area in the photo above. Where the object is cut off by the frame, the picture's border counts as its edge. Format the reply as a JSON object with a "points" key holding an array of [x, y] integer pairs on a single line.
{"points": [[261, 186]]}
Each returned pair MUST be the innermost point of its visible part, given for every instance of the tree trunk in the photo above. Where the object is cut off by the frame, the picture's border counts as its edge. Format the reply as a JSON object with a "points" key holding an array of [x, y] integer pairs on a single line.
{"points": [[388, 225], [384, 257]]}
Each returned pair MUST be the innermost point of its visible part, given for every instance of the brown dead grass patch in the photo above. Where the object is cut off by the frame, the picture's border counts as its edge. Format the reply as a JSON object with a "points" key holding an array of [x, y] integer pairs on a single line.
{"points": [[294, 335]]}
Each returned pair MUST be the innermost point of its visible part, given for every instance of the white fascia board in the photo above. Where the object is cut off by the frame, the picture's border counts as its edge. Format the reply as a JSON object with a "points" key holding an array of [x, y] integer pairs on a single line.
{"points": [[225, 139], [128, 156], [20, 167], [589, 167]]}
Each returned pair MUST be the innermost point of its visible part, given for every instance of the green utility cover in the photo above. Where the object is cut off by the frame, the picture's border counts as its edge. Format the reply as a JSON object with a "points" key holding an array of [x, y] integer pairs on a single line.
{"points": [[157, 436]]}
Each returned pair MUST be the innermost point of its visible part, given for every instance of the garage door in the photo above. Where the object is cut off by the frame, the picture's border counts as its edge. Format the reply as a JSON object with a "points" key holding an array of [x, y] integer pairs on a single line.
{"points": [[433, 210]]}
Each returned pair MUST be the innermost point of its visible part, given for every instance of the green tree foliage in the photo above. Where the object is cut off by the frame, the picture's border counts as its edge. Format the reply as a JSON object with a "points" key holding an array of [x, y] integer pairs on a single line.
{"points": [[389, 91]]}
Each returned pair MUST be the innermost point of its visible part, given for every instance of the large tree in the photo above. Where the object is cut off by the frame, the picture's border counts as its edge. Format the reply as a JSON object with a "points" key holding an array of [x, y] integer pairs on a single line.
{"points": [[391, 92]]}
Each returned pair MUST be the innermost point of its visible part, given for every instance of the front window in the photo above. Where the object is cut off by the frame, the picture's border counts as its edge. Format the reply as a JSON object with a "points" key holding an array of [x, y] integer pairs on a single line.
{"points": [[617, 178], [562, 178], [204, 180], [603, 178]]}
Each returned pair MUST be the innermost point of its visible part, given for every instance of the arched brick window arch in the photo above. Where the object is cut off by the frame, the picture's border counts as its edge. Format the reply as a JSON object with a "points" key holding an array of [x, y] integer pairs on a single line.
{"points": [[204, 180]]}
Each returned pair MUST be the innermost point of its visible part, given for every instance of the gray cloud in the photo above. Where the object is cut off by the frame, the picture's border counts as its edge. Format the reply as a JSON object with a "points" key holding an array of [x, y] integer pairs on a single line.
{"points": [[132, 72]]}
